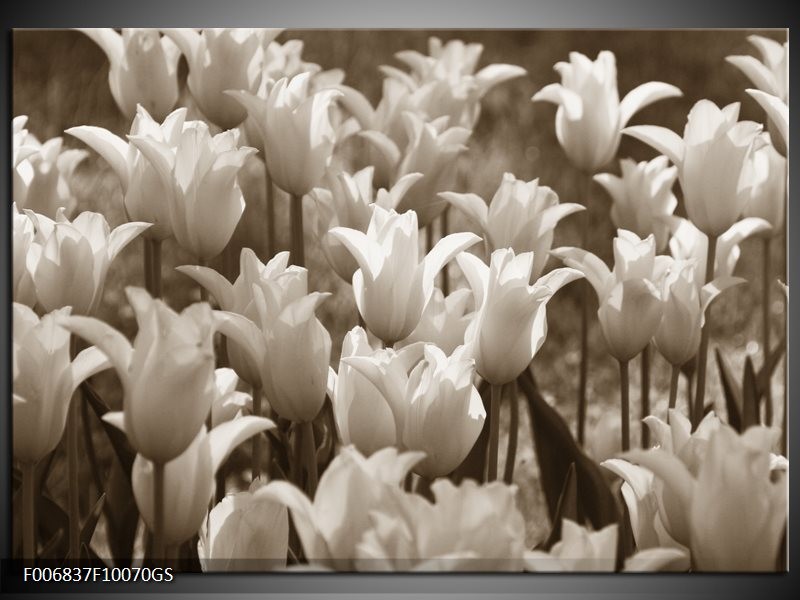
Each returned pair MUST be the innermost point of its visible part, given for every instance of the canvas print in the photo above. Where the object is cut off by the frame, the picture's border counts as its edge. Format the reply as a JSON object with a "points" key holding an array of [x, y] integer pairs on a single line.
{"points": [[399, 300]]}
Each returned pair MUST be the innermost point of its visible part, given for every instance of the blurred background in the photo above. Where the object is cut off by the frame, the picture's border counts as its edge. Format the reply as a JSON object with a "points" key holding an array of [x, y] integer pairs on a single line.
{"points": [[60, 80]]}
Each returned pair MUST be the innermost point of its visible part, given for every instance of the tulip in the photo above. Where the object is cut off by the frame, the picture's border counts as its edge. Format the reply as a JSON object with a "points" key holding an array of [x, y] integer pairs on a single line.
{"points": [[331, 526], [42, 172], [44, 380], [733, 505], [468, 527], [590, 116], [296, 129], [145, 195], [220, 60], [642, 197], [345, 201], [69, 261], [244, 533], [392, 286], [24, 290], [206, 202], [521, 216], [778, 117], [768, 194], [167, 375], [188, 479], [711, 160], [444, 321], [436, 408], [143, 69], [228, 402]]}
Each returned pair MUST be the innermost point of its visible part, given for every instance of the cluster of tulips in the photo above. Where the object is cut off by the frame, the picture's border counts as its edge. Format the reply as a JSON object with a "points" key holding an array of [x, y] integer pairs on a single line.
{"points": [[391, 461]]}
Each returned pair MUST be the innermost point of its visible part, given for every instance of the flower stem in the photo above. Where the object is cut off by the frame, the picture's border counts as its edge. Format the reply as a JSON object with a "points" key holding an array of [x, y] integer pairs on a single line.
{"points": [[256, 467], [155, 266], [645, 395], [158, 511], [298, 245], [673, 388], [29, 512], [624, 386], [766, 280], [203, 291], [147, 259], [73, 418], [585, 300], [270, 195], [702, 355], [310, 457], [494, 432], [513, 432], [446, 267]]}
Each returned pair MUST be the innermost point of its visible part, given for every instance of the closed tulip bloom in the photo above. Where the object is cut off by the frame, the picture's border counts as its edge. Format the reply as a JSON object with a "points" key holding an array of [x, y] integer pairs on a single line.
{"points": [[143, 69], [511, 322], [444, 321], [332, 524], [145, 194], [42, 173], [245, 533], [734, 502], [296, 128], [44, 380], [24, 290], [469, 527], [711, 158], [189, 478], [228, 402], [768, 195], [590, 116], [521, 216], [200, 171], [69, 261], [167, 374], [392, 286], [220, 60], [345, 200], [642, 196]]}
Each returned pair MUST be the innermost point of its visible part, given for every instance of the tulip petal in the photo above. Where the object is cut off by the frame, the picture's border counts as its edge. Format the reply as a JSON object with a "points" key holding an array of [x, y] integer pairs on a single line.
{"points": [[472, 205], [116, 418], [712, 289], [668, 468], [108, 40], [662, 139], [594, 269], [365, 250], [776, 109], [124, 235], [495, 74], [225, 437], [558, 278], [106, 338], [159, 154], [658, 559], [756, 72], [357, 105], [384, 145], [444, 251], [477, 275], [643, 95], [219, 287], [558, 94], [188, 40], [88, 362], [242, 331], [112, 148]]}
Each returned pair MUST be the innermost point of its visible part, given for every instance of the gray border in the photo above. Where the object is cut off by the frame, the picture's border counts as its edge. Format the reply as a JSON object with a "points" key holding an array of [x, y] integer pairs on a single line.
{"points": [[617, 14]]}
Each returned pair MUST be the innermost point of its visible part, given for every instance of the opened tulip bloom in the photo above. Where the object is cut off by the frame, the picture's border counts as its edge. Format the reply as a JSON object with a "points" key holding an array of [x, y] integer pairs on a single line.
{"points": [[69, 261], [199, 173], [768, 195], [444, 321], [189, 477], [45, 378], [521, 216], [642, 196], [143, 69], [23, 288], [392, 286], [590, 116], [174, 350]]}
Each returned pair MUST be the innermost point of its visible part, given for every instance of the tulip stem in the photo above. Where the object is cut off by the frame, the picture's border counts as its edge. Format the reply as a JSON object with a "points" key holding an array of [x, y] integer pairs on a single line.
{"points": [[513, 432], [765, 283], [494, 432], [29, 512], [155, 264], [147, 256], [203, 298], [256, 438], [310, 456], [270, 195], [673, 388], [298, 245], [158, 511], [446, 267], [624, 386], [645, 395], [73, 418], [702, 356], [585, 299]]}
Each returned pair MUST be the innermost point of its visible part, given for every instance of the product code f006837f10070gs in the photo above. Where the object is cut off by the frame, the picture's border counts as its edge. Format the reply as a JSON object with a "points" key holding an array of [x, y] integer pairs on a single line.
{"points": [[96, 574]]}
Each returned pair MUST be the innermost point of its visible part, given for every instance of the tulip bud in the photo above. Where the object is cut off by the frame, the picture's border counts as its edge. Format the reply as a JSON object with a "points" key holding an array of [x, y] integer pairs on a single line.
{"points": [[642, 197], [392, 286], [511, 323], [245, 533], [24, 290], [69, 260], [228, 402], [296, 129], [143, 69], [521, 216], [44, 380], [590, 115], [189, 477], [205, 202], [167, 375], [768, 195], [444, 321]]}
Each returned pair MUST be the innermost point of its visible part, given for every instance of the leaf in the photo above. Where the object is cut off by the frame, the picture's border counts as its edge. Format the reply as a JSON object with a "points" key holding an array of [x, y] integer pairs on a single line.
{"points": [[556, 450], [50, 548], [733, 395], [119, 441], [567, 507], [768, 368], [122, 515], [50, 519], [750, 397], [87, 531], [89, 558]]}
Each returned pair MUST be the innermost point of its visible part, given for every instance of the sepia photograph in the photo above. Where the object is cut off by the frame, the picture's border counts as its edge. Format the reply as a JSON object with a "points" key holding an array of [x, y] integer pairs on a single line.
{"points": [[398, 300]]}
